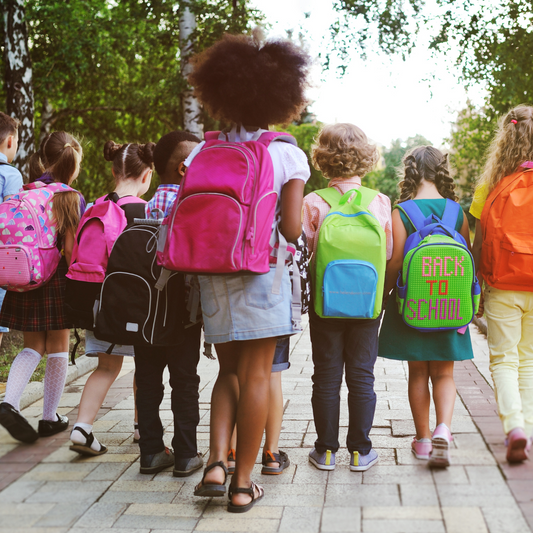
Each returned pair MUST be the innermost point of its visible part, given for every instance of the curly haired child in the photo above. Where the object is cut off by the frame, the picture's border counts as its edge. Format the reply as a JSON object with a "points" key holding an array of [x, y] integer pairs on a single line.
{"points": [[344, 155], [502, 204], [431, 355], [245, 82]]}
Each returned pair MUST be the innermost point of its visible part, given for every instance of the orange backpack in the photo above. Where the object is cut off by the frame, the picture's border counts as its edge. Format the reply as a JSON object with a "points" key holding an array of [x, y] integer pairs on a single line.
{"points": [[507, 222]]}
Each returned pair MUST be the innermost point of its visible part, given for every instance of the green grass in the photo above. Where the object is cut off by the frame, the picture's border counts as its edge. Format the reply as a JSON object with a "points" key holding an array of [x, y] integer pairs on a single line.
{"points": [[12, 344]]}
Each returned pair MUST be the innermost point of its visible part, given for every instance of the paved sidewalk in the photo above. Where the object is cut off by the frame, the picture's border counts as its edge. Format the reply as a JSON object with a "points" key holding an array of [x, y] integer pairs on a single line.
{"points": [[49, 489]]}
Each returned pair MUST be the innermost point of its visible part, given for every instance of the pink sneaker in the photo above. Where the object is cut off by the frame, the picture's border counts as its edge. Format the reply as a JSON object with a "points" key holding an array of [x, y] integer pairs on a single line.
{"points": [[518, 446], [421, 448], [440, 454]]}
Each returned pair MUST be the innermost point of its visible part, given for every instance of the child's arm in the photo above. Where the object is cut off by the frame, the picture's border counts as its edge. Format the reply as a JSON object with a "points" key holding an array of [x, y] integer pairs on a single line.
{"points": [[68, 245], [478, 241], [465, 232], [399, 236], [291, 209]]}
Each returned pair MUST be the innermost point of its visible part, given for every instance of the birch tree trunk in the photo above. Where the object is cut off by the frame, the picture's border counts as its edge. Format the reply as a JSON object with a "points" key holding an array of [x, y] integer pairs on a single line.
{"points": [[191, 107], [18, 79]]}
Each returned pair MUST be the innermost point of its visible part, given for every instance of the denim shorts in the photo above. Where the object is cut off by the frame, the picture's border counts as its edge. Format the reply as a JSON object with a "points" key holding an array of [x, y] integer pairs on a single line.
{"points": [[93, 347], [239, 307], [281, 355], [2, 296]]}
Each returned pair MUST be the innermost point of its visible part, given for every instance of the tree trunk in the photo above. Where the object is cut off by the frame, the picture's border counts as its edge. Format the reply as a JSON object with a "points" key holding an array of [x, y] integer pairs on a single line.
{"points": [[191, 107], [18, 79], [47, 114]]}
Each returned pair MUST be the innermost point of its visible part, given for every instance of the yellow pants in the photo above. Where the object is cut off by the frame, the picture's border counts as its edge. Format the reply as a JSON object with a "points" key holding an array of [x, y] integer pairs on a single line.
{"points": [[510, 335]]}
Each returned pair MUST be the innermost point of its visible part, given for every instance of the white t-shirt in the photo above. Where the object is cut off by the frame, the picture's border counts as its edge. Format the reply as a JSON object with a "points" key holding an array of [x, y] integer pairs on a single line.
{"points": [[290, 163]]}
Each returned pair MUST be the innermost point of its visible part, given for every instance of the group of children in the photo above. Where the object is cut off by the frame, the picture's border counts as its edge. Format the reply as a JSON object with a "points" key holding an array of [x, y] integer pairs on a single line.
{"points": [[243, 82]]}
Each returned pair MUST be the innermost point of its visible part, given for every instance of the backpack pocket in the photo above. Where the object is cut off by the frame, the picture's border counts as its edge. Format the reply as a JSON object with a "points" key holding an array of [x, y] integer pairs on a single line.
{"points": [[349, 289], [16, 266], [131, 322]]}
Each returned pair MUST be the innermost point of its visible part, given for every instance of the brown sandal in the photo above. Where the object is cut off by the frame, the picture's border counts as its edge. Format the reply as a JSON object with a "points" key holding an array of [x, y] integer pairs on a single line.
{"points": [[212, 490], [241, 490]]}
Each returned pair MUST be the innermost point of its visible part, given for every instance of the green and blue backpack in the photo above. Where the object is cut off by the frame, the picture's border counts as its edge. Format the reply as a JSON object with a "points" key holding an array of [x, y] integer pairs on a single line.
{"points": [[349, 264], [437, 288]]}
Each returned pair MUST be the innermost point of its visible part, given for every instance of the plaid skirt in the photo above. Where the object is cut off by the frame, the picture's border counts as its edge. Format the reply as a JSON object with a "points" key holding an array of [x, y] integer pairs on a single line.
{"points": [[42, 309]]}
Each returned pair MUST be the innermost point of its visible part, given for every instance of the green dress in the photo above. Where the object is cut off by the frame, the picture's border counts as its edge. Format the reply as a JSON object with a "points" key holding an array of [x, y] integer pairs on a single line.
{"points": [[398, 341]]}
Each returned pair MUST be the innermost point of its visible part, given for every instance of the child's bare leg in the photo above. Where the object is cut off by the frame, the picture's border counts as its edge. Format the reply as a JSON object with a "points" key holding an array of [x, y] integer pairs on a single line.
{"points": [[444, 390], [275, 416], [97, 386], [419, 397]]}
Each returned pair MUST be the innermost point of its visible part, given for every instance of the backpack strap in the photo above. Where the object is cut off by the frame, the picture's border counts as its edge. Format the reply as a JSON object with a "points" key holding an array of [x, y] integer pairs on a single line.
{"points": [[330, 195], [365, 196], [413, 214], [451, 213]]}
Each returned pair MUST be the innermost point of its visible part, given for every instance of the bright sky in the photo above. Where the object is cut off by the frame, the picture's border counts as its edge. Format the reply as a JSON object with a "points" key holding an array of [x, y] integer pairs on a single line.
{"points": [[385, 96]]}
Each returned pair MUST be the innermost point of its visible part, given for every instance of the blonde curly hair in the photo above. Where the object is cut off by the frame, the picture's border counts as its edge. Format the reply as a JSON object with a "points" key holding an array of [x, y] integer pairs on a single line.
{"points": [[511, 146], [343, 151]]}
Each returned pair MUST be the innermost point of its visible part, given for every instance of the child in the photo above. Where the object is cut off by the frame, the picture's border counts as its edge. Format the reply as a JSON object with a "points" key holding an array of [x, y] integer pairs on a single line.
{"points": [[509, 287], [132, 171], [10, 177], [344, 155], [430, 354], [182, 361], [242, 82], [40, 313]]}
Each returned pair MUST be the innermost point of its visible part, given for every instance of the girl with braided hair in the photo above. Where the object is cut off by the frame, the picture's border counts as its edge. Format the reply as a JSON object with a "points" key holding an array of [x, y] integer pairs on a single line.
{"points": [[502, 206], [431, 355]]}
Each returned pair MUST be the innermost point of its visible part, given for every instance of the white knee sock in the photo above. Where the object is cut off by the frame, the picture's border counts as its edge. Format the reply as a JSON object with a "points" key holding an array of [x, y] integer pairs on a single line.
{"points": [[78, 438], [54, 382], [21, 371]]}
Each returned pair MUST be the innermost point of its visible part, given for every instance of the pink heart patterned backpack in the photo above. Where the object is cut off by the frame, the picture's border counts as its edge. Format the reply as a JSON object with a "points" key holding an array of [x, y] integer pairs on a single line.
{"points": [[28, 237]]}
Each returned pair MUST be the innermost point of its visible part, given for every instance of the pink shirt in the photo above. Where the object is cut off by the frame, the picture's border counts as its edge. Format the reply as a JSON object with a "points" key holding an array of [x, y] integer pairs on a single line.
{"points": [[315, 210]]}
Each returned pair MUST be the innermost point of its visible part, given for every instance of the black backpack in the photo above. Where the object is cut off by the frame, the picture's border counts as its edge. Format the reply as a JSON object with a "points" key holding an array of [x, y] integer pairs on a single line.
{"points": [[80, 296], [130, 309]]}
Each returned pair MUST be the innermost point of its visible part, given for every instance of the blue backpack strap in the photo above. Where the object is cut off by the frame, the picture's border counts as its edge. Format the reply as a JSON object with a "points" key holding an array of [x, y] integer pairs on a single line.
{"points": [[413, 213], [451, 213]]}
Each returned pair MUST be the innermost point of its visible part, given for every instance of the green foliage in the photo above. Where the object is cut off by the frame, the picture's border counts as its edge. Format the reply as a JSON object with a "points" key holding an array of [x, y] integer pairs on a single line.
{"points": [[386, 179], [305, 133], [110, 69]]}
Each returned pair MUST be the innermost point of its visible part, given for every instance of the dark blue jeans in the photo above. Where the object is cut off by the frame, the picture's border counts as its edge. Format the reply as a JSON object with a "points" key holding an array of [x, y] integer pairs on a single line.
{"points": [[182, 361], [339, 344]]}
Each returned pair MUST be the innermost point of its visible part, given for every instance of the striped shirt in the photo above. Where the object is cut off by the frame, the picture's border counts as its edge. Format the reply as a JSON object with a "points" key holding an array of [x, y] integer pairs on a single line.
{"points": [[315, 210]]}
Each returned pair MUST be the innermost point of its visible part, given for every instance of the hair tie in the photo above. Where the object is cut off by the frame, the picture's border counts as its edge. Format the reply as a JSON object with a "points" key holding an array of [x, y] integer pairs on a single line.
{"points": [[514, 121], [67, 144]]}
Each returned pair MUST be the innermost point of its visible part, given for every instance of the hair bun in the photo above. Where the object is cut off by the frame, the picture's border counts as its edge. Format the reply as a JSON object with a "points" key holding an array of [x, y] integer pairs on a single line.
{"points": [[146, 153], [111, 148]]}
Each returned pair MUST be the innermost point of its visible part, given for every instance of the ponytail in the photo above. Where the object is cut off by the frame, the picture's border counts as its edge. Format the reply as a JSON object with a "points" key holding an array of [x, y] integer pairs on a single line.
{"points": [[60, 155]]}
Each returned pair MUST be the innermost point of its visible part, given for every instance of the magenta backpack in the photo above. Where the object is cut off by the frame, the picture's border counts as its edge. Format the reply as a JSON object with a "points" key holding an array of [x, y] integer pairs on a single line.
{"points": [[28, 237], [222, 220], [98, 230]]}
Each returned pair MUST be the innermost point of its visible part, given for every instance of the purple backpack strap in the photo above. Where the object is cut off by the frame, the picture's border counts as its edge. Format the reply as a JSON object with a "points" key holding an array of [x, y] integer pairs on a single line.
{"points": [[413, 213], [451, 213]]}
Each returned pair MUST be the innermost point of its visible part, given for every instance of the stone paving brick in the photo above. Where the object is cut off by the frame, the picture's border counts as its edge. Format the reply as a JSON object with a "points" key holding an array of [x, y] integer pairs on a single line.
{"points": [[132, 522], [419, 474], [403, 526], [100, 516], [475, 496], [341, 519], [402, 513], [464, 520], [63, 514], [358, 496], [59, 472], [298, 520], [137, 497], [504, 518], [418, 495], [236, 524], [107, 472]]}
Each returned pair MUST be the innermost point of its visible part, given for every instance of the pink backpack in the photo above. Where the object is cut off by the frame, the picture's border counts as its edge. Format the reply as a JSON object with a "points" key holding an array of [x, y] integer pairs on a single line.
{"points": [[28, 237], [99, 228], [222, 220]]}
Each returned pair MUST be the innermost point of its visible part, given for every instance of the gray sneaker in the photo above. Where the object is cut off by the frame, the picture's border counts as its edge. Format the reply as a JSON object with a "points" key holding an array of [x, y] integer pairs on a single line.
{"points": [[186, 467], [153, 463], [323, 461], [360, 462]]}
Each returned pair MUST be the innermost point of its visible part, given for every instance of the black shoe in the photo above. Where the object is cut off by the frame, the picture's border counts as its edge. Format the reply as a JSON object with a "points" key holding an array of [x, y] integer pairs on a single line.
{"points": [[48, 428], [17, 426], [155, 462], [185, 467]]}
